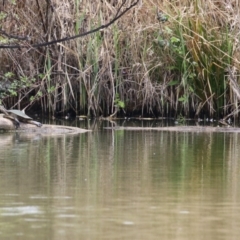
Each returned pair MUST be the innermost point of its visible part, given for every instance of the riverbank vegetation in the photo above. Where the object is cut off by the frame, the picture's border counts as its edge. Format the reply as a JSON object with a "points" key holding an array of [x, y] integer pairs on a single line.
{"points": [[162, 58]]}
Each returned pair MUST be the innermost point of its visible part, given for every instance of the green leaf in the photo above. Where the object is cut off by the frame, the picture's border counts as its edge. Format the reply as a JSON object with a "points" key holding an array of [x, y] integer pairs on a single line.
{"points": [[173, 82], [175, 40]]}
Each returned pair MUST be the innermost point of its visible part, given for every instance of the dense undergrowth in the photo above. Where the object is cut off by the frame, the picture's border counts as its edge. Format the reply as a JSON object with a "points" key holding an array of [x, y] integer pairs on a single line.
{"points": [[162, 58]]}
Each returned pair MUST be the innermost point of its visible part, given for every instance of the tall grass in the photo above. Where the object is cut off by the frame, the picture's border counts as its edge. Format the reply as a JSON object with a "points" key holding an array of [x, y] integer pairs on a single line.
{"points": [[202, 49], [155, 67]]}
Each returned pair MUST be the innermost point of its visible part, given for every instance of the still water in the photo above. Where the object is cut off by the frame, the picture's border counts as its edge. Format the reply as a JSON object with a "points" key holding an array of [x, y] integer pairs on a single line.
{"points": [[120, 185]]}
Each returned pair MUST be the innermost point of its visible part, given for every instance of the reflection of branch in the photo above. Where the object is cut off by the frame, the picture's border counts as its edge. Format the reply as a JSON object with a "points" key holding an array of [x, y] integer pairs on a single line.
{"points": [[117, 16]]}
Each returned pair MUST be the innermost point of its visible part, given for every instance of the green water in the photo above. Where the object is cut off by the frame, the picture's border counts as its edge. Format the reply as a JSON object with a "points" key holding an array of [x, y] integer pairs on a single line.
{"points": [[120, 185]]}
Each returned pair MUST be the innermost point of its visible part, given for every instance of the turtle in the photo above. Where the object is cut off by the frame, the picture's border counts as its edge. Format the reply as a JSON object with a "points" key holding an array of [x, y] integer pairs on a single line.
{"points": [[18, 116]]}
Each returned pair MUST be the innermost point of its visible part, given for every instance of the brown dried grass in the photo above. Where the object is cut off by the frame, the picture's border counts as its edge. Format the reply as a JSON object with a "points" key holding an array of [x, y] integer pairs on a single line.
{"points": [[87, 74]]}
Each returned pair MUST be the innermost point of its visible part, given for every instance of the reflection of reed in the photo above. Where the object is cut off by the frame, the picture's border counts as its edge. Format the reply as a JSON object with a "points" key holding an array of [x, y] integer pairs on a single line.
{"points": [[6, 143], [107, 179], [126, 162], [233, 167]]}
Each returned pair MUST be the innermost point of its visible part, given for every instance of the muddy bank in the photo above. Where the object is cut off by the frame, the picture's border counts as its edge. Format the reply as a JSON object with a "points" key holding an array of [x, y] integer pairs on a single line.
{"points": [[180, 129]]}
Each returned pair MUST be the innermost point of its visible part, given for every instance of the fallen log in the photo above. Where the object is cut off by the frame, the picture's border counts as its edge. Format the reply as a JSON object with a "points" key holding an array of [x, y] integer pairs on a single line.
{"points": [[180, 129], [6, 125]]}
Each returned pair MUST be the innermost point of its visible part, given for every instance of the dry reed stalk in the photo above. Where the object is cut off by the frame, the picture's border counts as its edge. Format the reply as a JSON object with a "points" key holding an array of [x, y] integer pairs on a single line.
{"points": [[125, 59]]}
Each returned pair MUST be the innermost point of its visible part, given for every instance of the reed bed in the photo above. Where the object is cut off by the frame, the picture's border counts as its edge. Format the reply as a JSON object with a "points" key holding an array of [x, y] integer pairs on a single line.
{"points": [[160, 59]]}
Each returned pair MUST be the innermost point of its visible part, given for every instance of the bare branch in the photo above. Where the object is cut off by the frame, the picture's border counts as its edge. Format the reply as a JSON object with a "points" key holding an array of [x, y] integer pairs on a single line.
{"points": [[13, 36], [118, 15]]}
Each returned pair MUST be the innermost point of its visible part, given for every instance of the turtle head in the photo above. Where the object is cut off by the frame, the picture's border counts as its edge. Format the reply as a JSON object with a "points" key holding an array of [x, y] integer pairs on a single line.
{"points": [[3, 109]]}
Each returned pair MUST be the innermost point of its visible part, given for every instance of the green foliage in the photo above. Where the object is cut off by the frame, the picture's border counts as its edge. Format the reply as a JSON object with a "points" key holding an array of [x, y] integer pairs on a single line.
{"points": [[181, 119], [39, 95], [51, 89], [199, 56], [10, 86], [118, 102], [211, 52]]}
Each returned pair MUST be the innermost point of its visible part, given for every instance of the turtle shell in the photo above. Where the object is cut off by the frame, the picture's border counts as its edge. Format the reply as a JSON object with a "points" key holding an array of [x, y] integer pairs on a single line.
{"points": [[18, 113]]}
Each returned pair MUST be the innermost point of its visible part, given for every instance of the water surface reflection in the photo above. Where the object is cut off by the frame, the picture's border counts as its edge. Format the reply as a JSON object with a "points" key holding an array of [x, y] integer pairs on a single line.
{"points": [[120, 185]]}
